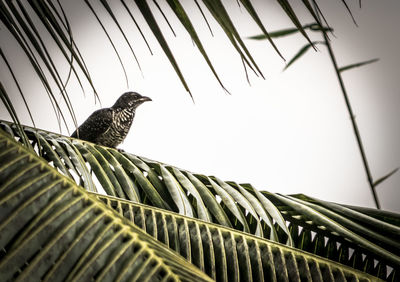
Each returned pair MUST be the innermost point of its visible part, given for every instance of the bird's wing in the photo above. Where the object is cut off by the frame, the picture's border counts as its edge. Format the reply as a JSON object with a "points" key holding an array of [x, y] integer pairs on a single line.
{"points": [[95, 125]]}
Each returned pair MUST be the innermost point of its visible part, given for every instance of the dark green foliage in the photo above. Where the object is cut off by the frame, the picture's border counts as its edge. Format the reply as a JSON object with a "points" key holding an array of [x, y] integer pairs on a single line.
{"points": [[52, 230], [339, 233]]}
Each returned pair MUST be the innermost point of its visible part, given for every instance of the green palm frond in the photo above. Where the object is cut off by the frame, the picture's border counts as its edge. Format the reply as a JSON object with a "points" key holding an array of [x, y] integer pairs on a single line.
{"points": [[35, 23], [134, 178], [52, 229], [229, 255], [342, 234], [332, 231]]}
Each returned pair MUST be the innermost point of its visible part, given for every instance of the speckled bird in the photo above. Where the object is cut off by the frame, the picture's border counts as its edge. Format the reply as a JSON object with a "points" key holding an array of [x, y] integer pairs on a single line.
{"points": [[109, 126]]}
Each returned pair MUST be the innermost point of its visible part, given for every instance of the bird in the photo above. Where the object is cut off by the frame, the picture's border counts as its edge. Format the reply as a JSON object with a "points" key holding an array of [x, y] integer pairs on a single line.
{"points": [[109, 126]]}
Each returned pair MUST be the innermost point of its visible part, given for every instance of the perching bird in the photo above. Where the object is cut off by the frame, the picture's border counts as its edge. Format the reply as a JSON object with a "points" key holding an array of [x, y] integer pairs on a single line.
{"points": [[109, 126]]}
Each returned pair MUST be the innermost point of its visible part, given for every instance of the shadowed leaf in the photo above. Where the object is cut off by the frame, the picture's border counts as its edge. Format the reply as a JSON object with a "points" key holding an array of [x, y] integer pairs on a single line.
{"points": [[383, 178], [292, 15], [290, 31], [110, 40], [350, 13], [301, 52], [151, 21], [352, 66], [204, 17], [220, 14], [181, 14], [11, 110], [250, 9]]}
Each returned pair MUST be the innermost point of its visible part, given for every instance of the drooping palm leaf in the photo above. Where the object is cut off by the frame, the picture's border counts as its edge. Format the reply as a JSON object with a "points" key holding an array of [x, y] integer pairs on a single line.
{"points": [[301, 52], [229, 255], [249, 7], [180, 12], [130, 177], [20, 24], [348, 229], [11, 110], [382, 215], [6, 99], [358, 247], [31, 23], [382, 233], [221, 15], [52, 230], [325, 233], [111, 42], [293, 17], [151, 21]]}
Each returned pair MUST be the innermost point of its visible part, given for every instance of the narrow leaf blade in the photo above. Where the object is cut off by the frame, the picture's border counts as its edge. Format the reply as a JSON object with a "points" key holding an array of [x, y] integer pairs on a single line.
{"points": [[352, 66], [383, 178]]}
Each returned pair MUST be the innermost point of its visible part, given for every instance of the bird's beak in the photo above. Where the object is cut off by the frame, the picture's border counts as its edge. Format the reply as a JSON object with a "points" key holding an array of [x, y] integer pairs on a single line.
{"points": [[144, 99]]}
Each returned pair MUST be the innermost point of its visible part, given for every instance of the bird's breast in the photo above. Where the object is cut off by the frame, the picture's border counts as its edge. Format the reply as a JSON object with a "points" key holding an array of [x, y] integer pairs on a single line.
{"points": [[122, 124], [122, 121]]}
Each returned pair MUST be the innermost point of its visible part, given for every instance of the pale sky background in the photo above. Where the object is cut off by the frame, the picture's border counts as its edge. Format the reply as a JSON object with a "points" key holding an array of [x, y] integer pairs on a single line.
{"points": [[289, 133]]}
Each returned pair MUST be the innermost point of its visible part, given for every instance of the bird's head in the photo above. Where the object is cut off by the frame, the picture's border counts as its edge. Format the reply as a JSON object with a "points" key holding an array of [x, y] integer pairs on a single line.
{"points": [[130, 100]]}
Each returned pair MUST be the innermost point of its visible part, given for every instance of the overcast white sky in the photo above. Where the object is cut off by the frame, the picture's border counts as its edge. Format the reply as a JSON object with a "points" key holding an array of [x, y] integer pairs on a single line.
{"points": [[289, 133]]}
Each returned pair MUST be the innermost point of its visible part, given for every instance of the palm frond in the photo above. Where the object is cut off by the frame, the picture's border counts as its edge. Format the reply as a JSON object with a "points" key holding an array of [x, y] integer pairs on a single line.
{"points": [[33, 23], [316, 227], [226, 254], [54, 230]]}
